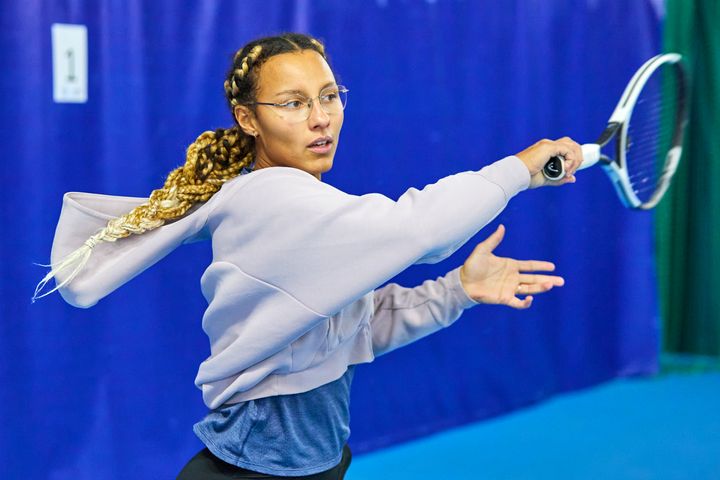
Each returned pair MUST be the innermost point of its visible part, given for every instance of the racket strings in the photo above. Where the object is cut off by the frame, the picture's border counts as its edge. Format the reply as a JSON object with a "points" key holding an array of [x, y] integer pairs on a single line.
{"points": [[647, 151], [650, 134]]}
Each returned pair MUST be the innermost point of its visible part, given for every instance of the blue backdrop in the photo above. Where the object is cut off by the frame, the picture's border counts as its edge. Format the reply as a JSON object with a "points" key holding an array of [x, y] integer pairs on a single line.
{"points": [[436, 87]]}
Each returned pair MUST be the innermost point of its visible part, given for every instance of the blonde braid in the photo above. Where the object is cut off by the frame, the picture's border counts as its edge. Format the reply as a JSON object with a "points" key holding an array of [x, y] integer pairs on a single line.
{"points": [[212, 159], [231, 87], [320, 46]]}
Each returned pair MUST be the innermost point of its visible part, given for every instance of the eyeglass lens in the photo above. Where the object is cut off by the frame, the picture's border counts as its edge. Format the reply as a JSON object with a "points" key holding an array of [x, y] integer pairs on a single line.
{"points": [[331, 101]]}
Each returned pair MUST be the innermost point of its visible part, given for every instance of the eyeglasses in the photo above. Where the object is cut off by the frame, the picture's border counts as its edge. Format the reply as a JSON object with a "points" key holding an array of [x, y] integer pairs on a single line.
{"points": [[332, 101]]}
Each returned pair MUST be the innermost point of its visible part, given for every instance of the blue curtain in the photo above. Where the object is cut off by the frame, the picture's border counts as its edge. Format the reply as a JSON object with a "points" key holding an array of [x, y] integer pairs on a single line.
{"points": [[436, 87]]}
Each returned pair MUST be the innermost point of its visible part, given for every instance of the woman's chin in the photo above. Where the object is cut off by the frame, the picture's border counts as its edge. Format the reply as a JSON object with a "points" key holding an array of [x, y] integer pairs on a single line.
{"points": [[324, 166]]}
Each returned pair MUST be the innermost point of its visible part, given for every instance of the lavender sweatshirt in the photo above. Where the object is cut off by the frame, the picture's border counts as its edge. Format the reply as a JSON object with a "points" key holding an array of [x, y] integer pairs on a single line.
{"points": [[290, 289]]}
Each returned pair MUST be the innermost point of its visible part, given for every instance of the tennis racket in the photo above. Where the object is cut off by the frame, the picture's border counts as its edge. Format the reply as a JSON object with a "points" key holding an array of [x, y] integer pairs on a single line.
{"points": [[647, 129]]}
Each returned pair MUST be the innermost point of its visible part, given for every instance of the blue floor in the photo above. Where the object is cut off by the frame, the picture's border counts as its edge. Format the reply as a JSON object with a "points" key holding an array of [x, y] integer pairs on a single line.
{"points": [[666, 427]]}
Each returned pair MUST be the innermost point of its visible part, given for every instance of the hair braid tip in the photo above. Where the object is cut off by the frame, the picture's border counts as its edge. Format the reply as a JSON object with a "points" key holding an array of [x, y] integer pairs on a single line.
{"points": [[75, 260]]}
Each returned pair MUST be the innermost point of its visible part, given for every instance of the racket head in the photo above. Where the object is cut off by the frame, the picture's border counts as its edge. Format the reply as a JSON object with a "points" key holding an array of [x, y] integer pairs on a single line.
{"points": [[652, 115]]}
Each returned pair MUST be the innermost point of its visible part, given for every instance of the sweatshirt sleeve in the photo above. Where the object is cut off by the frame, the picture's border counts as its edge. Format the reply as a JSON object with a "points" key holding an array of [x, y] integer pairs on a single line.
{"points": [[327, 248], [403, 315], [112, 264]]}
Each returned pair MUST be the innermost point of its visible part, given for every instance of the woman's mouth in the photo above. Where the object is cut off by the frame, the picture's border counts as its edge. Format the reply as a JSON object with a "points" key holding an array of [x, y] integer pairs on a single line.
{"points": [[321, 145]]}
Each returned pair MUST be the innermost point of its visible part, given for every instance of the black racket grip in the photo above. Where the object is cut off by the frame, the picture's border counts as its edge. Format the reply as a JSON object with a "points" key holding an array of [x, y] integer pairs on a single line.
{"points": [[554, 169]]}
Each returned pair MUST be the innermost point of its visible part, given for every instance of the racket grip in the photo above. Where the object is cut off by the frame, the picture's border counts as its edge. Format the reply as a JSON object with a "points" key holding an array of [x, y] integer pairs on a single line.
{"points": [[554, 169]]}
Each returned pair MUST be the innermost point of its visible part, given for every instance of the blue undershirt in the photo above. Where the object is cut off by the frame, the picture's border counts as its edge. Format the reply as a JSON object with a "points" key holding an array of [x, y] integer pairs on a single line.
{"points": [[284, 435]]}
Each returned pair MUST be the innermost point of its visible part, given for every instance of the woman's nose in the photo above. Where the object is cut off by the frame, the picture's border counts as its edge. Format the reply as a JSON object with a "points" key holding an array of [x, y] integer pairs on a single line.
{"points": [[318, 116]]}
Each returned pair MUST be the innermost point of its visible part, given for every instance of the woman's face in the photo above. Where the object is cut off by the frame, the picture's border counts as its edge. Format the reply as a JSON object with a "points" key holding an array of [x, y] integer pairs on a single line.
{"points": [[283, 78]]}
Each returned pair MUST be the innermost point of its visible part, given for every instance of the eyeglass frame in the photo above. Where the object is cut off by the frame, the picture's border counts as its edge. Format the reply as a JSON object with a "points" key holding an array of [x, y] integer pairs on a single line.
{"points": [[309, 102]]}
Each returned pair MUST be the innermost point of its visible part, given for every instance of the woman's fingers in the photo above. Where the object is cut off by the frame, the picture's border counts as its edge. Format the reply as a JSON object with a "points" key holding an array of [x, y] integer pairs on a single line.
{"points": [[532, 278], [531, 288], [528, 283], [490, 243], [520, 304], [535, 266], [572, 154]]}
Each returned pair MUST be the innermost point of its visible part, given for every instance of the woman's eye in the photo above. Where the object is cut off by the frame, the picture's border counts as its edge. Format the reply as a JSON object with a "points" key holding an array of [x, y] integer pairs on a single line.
{"points": [[292, 104]]}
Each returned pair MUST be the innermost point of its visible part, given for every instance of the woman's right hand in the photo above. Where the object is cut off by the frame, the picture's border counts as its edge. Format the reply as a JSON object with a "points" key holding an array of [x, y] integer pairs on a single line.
{"points": [[536, 156]]}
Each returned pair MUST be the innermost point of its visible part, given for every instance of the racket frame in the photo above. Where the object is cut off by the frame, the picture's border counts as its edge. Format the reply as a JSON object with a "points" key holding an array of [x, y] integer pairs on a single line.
{"points": [[618, 123]]}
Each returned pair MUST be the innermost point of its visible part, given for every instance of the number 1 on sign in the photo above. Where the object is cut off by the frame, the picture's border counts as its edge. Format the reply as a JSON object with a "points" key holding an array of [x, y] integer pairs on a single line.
{"points": [[70, 63]]}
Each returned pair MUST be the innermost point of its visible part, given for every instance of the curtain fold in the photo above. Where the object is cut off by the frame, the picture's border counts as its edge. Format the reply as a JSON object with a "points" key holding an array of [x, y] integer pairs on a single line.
{"points": [[688, 220]]}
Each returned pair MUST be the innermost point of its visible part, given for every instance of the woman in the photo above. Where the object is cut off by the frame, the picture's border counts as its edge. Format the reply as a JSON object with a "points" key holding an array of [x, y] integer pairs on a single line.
{"points": [[291, 300]]}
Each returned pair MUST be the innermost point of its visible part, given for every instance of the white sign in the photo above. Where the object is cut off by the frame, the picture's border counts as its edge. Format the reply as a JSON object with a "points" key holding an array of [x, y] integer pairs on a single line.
{"points": [[70, 63]]}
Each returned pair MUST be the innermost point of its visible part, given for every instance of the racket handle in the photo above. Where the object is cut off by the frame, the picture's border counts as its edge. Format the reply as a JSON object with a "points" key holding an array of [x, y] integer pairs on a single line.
{"points": [[554, 169]]}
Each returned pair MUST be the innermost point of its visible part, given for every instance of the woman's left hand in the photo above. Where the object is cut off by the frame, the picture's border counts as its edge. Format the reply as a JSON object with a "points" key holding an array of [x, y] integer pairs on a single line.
{"points": [[497, 280]]}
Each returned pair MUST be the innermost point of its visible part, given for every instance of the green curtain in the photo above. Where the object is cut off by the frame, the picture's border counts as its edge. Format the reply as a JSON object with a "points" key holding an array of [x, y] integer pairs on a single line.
{"points": [[688, 219]]}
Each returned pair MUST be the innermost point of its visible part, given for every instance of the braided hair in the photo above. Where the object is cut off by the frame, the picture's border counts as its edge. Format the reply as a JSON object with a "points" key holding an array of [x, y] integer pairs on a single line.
{"points": [[211, 160]]}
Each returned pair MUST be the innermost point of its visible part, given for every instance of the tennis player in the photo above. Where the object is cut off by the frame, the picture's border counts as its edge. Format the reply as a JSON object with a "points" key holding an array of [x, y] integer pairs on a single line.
{"points": [[292, 290]]}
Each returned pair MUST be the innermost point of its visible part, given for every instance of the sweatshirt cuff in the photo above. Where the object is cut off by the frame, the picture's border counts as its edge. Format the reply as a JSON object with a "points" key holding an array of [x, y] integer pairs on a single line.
{"points": [[510, 174], [457, 291]]}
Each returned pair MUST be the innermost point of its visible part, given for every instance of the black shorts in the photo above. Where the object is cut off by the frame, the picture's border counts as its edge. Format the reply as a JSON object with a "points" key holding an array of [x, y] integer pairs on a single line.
{"points": [[206, 466]]}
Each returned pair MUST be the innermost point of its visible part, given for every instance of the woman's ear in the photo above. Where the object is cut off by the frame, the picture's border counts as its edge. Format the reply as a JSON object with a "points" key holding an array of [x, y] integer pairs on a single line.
{"points": [[246, 119]]}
